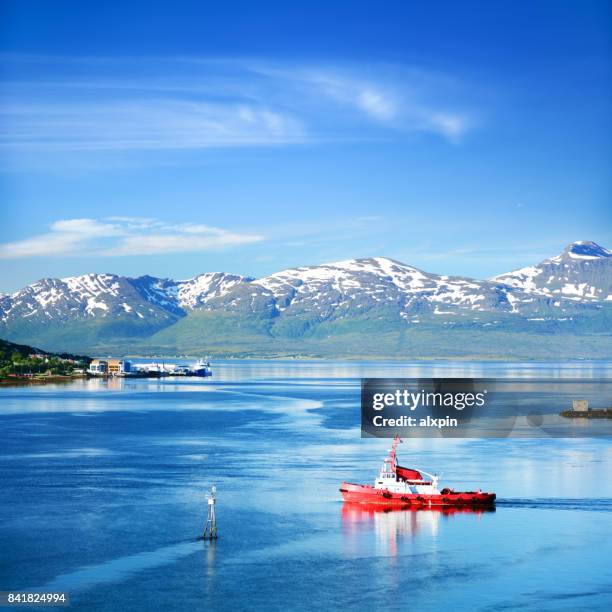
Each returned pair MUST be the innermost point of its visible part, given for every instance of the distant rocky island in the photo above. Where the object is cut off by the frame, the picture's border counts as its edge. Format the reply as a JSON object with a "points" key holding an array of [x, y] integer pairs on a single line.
{"points": [[560, 308]]}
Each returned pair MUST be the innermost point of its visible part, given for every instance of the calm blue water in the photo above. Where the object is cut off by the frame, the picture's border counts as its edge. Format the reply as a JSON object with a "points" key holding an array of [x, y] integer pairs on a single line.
{"points": [[103, 495]]}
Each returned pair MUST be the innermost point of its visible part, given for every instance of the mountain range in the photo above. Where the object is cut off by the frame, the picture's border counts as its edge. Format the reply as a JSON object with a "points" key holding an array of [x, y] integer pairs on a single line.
{"points": [[374, 307]]}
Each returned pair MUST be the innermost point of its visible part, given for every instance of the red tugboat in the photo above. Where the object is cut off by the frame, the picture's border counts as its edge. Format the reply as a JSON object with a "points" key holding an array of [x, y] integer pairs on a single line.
{"points": [[400, 486]]}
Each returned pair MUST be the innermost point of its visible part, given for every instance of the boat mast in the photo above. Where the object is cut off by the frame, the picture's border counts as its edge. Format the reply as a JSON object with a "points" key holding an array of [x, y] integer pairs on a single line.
{"points": [[393, 453]]}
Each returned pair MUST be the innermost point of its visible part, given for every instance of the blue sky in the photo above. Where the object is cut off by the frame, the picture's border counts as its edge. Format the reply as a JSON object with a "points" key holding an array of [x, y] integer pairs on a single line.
{"points": [[172, 139]]}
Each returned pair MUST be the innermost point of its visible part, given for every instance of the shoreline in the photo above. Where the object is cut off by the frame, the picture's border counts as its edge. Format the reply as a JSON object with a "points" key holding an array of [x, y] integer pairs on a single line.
{"points": [[374, 358], [20, 382], [591, 413]]}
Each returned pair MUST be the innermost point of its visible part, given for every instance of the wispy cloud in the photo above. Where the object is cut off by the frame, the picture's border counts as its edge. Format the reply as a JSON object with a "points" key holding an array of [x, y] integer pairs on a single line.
{"points": [[124, 236], [199, 103], [145, 124], [393, 97]]}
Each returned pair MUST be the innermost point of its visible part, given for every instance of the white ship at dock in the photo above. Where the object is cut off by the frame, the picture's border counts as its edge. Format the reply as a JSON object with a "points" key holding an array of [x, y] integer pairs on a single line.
{"points": [[200, 368], [155, 369]]}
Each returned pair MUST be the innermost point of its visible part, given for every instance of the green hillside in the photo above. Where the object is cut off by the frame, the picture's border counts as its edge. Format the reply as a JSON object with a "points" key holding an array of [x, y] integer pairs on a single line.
{"points": [[21, 359]]}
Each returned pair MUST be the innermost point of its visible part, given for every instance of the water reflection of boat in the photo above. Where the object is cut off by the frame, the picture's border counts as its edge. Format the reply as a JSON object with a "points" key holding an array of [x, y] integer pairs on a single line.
{"points": [[357, 511], [390, 524], [400, 486]]}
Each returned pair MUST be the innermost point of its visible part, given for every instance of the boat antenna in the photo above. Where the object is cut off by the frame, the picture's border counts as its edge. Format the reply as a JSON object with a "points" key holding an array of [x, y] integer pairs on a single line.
{"points": [[393, 452]]}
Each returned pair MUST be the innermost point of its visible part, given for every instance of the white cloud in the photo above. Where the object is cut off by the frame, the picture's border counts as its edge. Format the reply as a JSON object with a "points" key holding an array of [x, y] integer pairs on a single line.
{"points": [[451, 126], [145, 125], [182, 239], [195, 103], [85, 227], [123, 236], [40, 246], [376, 104], [393, 97]]}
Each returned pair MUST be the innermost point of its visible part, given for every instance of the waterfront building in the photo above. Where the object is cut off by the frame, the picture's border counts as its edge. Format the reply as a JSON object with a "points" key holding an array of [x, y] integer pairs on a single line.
{"points": [[118, 366], [98, 367]]}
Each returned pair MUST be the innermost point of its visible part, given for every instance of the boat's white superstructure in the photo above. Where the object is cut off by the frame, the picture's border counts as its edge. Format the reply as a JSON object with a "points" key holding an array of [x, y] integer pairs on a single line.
{"points": [[389, 481], [202, 368]]}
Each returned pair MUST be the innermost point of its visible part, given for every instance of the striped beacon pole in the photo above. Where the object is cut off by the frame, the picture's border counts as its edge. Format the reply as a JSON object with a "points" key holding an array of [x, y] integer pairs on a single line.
{"points": [[210, 529]]}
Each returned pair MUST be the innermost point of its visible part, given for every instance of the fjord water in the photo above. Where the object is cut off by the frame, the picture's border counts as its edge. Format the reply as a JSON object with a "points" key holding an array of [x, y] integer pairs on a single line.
{"points": [[104, 483]]}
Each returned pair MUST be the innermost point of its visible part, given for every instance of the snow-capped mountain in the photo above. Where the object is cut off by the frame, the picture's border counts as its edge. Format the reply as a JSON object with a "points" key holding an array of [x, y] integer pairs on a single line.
{"points": [[105, 296], [354, 287], [89, 296], [582, 272], [377, 293]]}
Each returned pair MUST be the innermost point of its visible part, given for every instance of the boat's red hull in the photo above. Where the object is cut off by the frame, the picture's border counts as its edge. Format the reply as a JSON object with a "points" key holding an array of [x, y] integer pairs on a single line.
{"points": [[369, 495]]}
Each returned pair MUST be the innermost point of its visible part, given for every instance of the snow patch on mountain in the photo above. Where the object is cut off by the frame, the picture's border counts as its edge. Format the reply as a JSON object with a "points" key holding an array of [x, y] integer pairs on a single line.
{"points": [[197, 291]]}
